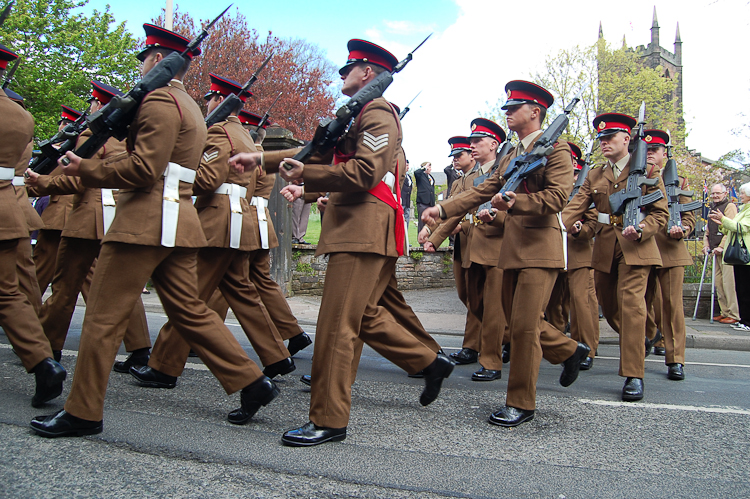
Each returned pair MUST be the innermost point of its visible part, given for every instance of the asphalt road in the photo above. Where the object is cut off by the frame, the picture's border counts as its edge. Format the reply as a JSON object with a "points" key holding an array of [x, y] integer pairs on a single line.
{"points": [[688, 438]]}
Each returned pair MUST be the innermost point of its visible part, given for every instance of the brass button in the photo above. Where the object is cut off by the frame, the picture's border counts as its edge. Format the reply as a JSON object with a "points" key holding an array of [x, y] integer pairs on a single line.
{"points": [[616, 186]]}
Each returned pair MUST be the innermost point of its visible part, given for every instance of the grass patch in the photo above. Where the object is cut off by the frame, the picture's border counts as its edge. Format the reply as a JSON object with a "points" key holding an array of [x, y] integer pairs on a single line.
{"points": [[313, 232]]}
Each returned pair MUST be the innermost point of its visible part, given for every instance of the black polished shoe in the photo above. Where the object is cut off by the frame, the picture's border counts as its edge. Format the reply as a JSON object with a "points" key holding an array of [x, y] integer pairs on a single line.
{"points": [[297, 343], [572, 365], [434, 374], [62, 424], [651, 343], [419, 374], [192, 354], [465, 356], [486, 375], [280, 368], [259, 393], [506, 353], [587, 363], [312, 434], [57, 355], [306, 379], [137, 358], [675, 372], [660, 351], [152, 378], [510, 416], [49, 381], [633, 389]]}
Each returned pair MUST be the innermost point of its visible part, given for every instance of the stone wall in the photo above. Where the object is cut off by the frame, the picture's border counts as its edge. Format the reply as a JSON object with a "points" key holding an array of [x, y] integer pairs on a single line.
{"points": [[419, 270]]}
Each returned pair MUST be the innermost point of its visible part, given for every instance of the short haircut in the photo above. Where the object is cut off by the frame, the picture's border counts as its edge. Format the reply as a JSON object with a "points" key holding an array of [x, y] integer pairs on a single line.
{"points": [[542, 111], [165, 52], [722, 186]]}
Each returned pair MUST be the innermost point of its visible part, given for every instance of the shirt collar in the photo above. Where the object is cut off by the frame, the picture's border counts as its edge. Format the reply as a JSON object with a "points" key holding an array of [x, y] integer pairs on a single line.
{"points": [[526, 141]]}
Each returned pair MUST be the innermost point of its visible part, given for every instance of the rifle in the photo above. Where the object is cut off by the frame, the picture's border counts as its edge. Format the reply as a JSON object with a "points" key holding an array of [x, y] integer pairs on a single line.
{"points": [[672, 182], [267, 114], [629, 201], [583, 173], [9, 77], [232, 103], [114, 119], [329, 130], [46, 161], [407, 108], [6, 12], [524, 165]]}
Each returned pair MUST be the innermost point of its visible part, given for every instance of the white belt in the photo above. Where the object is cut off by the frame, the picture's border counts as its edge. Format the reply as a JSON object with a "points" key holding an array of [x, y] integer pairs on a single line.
{"points": [[235, 193], [7, 173], [603, 218], [261, 204], [170, 206], [564, 240], [19, 181], [108, 208], [389, 179]]}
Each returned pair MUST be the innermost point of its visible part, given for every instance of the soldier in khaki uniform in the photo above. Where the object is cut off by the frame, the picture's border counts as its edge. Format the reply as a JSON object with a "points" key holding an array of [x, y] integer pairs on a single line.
{"points": [[532, 255], [85, 227], [670, 313], [156, 232], [53, 216], [230, 228], [17, 316], [359, 234], [623, 256]]}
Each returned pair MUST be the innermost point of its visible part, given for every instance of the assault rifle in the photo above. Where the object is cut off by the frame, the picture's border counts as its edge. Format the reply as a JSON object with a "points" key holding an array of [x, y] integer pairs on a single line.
{"points": [[114, 119], [329, 130], [629, 201], [46, 161], [232, 103], [583, 173], [9, 76], [672, 184], [407, 108], [524, 165], [6, 12], [264, 119]]}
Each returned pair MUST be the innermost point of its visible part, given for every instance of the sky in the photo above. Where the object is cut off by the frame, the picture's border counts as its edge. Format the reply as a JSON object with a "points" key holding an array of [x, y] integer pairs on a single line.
{"points": [[480, 45]]}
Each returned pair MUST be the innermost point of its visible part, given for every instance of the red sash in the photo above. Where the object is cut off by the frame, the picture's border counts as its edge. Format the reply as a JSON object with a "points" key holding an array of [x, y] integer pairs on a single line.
{"points": [[385, 194]]}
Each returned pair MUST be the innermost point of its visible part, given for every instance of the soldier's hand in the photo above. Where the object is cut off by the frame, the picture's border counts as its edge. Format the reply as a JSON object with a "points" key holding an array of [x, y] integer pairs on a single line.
{"points": [[456, 230], [322, 203], [292, 192], [74, 167], [631, 234], [501, 204], [245, 161], [291, 169], [431, 215], [31, 177], [676, 232], [429, 247], [423, 235], [486, 216], [576, 228]]}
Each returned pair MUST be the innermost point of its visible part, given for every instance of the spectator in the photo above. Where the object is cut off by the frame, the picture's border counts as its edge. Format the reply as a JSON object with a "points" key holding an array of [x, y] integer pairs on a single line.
{"points": [[300, 216], [713, 243], [451, 174], [406, 189], [739, 226], [425, 190]]}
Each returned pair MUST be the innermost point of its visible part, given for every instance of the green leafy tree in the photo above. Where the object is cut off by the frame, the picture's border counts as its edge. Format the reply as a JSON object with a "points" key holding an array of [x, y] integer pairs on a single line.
{"points": [[61, 52]]}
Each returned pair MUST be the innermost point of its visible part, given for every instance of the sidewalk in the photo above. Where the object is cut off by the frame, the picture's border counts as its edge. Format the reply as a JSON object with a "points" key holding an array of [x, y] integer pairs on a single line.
{"points": [[442, 313]]}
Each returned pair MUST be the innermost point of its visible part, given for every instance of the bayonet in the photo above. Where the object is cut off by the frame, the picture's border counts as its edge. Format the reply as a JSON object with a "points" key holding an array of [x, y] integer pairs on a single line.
{"points": [[195, 42], [267, 114], [6, 12], [232, 103], [408, 58], [9, 76], [407, 108]]}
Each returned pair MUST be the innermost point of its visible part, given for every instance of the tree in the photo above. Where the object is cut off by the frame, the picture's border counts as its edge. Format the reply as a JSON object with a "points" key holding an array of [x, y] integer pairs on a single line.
{"points": [[62, 52], [298, 69]]}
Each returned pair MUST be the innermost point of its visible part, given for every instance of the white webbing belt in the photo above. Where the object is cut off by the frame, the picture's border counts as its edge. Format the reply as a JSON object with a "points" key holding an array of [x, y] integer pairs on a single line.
{"points": [[108, 208], [235, 193], [261, 204], [564, 240], [7, 173], [19, 181], [603, 218], [170, 206]]}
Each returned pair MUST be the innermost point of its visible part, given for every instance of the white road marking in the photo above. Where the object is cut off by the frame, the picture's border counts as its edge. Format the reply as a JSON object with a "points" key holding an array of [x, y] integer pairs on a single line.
{"points": [[658, 361], [672, 407]]}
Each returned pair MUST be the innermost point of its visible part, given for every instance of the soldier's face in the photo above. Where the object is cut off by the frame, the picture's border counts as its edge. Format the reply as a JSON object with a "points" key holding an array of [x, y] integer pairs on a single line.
{"points": [[354, 79], [482, 148], [151, 60], [213, 102], [656, 155], [462, 161], [615, 147], [519, 117]]}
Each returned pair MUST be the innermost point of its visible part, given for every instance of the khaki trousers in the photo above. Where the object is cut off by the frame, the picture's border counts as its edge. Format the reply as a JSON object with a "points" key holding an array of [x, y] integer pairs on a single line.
{"points": [[525, 295], [45, 256], [17, 316], [75, 259], [227, 270], [485, 289], [121, 272], [725, 290], [558, 308], [349, 309], [473, 327], [668, 312], [584, 308], [622, 295], [27, 281]]}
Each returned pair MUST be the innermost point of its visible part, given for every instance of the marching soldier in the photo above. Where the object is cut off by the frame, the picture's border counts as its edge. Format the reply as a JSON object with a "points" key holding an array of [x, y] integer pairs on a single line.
{"points": [[156, 232], [532, 256], [230, 228], [17, 316], [623, 256], [362, 178], [85, 226], [674, 256]]}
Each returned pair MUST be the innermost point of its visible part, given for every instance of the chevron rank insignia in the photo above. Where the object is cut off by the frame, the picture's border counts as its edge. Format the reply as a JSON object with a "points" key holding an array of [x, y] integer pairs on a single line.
{"points": [[375, 143], [208, 157]]}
